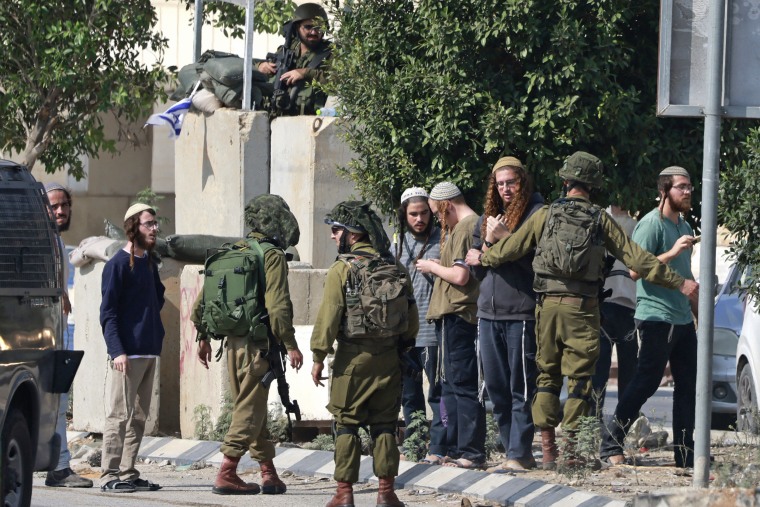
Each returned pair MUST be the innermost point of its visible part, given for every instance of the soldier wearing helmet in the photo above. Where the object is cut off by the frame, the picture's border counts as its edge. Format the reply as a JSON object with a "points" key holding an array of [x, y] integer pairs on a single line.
{"points": [[570, 237], [365, 385], [275, 228], [311, 55]]}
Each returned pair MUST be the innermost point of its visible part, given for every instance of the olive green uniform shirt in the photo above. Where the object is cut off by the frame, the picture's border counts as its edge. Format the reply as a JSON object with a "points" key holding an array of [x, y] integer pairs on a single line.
{"points": [[447, 298], [615, 241], [327, 328]]}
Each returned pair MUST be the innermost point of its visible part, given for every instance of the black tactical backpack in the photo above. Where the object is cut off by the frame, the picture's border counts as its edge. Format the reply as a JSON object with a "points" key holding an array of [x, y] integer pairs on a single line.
{"points": [[377, 302]]}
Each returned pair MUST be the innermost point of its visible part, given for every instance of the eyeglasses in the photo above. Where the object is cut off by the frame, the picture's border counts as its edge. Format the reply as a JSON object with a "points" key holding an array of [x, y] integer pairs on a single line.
{"points": [[508, 183], [684, 188], [335, 229], [63, 205], [312, 28], [150, 225]]}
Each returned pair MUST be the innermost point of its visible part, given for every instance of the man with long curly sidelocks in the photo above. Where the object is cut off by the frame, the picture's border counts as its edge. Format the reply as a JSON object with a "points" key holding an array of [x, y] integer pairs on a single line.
{"points": [[273, 229], [369, 309]]}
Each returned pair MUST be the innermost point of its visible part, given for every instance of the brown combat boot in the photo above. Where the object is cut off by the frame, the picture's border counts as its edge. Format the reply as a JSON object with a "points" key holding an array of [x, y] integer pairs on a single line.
{"points": [[386, 497], [228, 483], [344, 496], [549, 449], [270, 482]]}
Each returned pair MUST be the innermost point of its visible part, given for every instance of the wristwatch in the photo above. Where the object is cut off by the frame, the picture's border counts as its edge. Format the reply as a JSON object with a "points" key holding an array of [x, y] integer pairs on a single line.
{"points": [[488, 243]]}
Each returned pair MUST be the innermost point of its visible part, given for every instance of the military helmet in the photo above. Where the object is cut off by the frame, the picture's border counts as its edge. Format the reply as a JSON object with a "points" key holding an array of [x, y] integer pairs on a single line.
{"points": [[270, 215], [583, 167], [309, 11], [358, 217]]}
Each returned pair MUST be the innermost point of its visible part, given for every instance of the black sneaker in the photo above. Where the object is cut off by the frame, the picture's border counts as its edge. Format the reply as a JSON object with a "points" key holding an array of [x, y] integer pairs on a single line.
{"points": [[66, 478], [143, 485]]}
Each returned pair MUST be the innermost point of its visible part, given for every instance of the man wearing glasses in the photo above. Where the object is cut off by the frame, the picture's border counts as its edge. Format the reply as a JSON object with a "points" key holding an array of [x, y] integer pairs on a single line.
{"points": [[311, 52], [664, 324], [130, 315]]}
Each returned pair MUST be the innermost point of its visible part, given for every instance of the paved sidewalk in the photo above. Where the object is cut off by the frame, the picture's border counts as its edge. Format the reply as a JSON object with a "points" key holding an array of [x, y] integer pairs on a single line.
{"points": [[505, 489]]}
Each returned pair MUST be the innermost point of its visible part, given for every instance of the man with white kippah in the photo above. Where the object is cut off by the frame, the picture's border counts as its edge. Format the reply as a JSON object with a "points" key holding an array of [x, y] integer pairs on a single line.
{"points": [[453, 307], [664, 323], [419, 238], [130, 315]]}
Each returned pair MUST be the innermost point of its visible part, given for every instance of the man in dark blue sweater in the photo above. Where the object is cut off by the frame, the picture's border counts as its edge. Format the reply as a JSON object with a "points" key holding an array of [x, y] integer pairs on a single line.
{"points": [[133, 296]]}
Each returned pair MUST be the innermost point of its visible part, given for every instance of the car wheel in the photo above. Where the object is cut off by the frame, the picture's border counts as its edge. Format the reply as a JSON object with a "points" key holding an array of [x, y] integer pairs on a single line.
{"points": [[16, 461], [746, 406]]}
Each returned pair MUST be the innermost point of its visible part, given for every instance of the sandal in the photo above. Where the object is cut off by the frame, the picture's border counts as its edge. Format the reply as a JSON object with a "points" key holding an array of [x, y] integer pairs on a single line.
{"points": [[117, 486], [143, 485], [464, 463], [432, 459]]}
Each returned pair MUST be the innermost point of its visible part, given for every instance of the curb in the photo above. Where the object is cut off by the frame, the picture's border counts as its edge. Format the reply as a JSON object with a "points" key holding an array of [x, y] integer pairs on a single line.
{"points": [[507, 490]]}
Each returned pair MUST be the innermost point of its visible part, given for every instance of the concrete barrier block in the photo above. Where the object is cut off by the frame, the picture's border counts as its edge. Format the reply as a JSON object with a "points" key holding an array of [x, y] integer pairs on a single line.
{"points": [[221, 162]]}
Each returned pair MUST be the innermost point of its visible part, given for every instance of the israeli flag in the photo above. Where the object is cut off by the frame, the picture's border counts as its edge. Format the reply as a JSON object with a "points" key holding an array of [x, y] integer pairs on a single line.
{"points": [[172, 117]]}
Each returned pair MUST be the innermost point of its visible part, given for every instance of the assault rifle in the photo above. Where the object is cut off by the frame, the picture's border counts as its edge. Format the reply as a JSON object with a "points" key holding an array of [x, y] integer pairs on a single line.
{"points": [[285, 60], [276, 355]]}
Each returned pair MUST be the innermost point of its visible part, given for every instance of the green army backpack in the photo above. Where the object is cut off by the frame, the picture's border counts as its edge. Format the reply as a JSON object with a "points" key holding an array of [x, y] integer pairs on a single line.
{"points": [[570, 253], [377, 303], [233, 291]]}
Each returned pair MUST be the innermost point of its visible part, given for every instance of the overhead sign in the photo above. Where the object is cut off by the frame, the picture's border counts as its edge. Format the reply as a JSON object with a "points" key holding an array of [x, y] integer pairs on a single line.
{"points": [[684, 39]]}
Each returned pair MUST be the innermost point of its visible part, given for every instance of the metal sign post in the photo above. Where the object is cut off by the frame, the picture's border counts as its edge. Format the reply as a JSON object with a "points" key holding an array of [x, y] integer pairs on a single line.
{"points": [[248, 54]]}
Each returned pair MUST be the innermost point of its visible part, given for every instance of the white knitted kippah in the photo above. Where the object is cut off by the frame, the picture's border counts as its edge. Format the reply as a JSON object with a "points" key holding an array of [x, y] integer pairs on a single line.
{"points": [[675, 170], [413, 192], [444, 191]]}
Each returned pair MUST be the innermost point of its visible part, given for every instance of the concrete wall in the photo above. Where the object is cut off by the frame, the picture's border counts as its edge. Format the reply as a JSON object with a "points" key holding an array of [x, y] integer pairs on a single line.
{"points": [[199, 386], [221, 162], [93, 378], [306, 153]]}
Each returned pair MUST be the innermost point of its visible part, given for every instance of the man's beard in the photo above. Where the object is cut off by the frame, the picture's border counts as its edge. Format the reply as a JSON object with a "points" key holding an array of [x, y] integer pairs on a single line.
{"points": [[65, 227], [682, 206], [311, 45], [143, 243]]}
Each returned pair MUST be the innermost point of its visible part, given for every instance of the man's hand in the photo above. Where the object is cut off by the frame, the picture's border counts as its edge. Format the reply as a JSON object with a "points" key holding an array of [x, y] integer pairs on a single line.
{"points": [[316, 374], [204, 353], [121, 363], [427, 265], [296, 359], [690, 289], [268, 68], [496, 228], [683, 243], [294, 76], [473, 257]]}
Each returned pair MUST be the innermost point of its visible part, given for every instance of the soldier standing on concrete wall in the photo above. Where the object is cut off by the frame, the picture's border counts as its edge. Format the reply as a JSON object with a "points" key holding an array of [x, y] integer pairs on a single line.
{"points": [[63, 475], [570, 237], [365, 386], [275, 228], [130, 315]]}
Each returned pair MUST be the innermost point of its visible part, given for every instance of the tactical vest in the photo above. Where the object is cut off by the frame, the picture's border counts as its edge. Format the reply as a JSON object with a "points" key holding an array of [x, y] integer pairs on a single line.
{"points": [[570, 253], [233, 292], [377, 303]]}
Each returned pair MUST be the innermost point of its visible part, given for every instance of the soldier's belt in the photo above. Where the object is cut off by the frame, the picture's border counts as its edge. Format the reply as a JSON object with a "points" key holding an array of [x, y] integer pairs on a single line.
{"points": [[580, 302]]}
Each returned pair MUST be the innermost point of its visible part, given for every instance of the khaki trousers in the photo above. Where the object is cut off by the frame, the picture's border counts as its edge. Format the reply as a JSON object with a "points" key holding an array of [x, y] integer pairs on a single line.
{"points": [[248, 428], [130, 398]]}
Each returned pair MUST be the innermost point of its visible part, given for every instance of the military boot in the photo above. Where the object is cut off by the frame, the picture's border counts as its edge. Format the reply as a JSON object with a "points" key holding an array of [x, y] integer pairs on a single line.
{"points": [[344, 496], [228, 483], [270, 482], [386, 497], [549, 449]]}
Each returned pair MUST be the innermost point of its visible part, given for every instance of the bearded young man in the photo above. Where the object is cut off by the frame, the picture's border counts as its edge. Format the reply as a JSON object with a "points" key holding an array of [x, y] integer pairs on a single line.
{"points": [[130, 315], [664, 324], [419, 238]]}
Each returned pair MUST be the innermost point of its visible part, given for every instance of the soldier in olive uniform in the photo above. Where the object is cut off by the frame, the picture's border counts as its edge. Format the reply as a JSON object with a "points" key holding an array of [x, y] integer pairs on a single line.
{"points": [[365, 388], [312, 55], [567, 314], [271, 222]]}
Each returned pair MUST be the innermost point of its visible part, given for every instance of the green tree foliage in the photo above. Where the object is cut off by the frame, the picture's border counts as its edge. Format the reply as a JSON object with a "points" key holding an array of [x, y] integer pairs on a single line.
{"points": [[268, 15], [439, 89], [63, 65], [739, 209]]}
